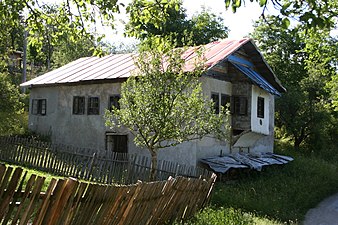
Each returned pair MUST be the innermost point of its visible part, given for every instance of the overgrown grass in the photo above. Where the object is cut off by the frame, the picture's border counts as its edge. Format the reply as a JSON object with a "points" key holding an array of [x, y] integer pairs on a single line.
{"points": [[284, 193], [277, 195], [30, 172], [228, 216]]}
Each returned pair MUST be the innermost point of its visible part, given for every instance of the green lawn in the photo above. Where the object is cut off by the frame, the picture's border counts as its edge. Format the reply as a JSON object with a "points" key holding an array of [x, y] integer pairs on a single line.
{"points": [[278, 195]]}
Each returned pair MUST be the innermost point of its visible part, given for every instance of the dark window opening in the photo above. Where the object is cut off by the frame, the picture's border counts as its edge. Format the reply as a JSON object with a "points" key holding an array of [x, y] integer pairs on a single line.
{"points": [[114, 101], [236, 132], [78, 105], [226, 101], [93, 106], [117, 143], [240, 105], [215, 99], [39, 107], [260, 107]]}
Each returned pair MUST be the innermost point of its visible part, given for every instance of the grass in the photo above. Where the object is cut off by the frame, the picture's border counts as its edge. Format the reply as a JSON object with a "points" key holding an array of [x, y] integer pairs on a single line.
{"points": [[278, 195], [30, 172]]}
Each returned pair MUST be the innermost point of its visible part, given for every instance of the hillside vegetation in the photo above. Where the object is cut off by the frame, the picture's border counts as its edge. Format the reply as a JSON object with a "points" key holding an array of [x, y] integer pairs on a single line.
{"points": [[277, 195]]}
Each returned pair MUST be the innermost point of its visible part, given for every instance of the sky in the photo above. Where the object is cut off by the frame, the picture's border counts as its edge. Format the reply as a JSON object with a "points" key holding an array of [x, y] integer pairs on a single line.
{"points": [[239, 23]]}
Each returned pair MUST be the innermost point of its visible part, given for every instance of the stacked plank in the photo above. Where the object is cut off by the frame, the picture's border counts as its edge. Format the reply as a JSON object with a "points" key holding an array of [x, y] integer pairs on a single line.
{"points": [[68, 201]]}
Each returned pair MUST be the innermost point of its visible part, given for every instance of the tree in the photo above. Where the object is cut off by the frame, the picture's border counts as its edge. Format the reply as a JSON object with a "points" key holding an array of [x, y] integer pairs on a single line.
{"points": [[311, 13], [168, 19], [10, 106], [205, 27], [303, 60], [163, 105]]}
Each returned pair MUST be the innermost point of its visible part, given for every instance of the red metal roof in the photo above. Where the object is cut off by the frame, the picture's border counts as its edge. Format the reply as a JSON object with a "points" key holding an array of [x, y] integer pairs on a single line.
{"points": [[122, 65]]}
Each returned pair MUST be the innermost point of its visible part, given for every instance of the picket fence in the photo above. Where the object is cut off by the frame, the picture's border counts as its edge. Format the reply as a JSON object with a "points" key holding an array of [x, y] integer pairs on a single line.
{"points": [[69, 201], [88, 164]]}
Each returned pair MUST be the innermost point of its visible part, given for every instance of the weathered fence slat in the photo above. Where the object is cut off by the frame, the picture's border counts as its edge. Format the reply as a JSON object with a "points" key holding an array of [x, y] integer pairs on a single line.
{"points": [[10, 189], [70, 202]]}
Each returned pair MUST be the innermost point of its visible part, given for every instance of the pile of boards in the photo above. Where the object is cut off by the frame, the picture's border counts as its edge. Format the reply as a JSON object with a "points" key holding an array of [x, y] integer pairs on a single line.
{"points": [[221, 164]]}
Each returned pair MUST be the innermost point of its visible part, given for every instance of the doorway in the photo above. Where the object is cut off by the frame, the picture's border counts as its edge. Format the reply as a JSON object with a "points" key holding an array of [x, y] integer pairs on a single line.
{"points": [[117, 143]]}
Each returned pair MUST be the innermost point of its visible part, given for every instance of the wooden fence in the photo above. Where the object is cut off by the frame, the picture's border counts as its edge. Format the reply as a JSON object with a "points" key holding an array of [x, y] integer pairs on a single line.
{"points": [[69, 201], [99, 166]]}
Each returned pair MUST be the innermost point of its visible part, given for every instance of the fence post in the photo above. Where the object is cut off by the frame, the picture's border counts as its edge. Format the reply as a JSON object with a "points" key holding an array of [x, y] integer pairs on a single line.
{"points": [[90, 167]]}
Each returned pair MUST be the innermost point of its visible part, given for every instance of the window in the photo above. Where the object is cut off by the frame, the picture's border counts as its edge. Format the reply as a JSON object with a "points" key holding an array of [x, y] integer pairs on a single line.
{"points": [[225, 101], [114, 101], [215, 99], [39, 107], [93, 106], [78, 105], [260, 107], [117, 143], [241, 105]]}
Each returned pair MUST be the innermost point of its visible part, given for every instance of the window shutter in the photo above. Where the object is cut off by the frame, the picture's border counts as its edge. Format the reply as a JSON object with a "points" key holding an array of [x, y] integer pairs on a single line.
{"points": [[34, 106], [43, 103]]}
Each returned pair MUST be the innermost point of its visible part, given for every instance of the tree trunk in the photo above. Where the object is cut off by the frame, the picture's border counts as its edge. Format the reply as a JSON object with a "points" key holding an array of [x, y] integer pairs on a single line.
{"points": [[153, 165], [24, 61], [297, 142]]}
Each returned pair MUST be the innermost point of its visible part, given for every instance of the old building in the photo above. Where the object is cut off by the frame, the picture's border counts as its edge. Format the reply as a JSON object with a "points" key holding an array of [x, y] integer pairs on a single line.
{"points": [[69, 102]]}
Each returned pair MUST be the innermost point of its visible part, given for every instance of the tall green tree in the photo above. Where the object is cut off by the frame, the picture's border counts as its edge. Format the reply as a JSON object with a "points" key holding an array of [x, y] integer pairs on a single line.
{"points": [[168, 19], [10, 106], [303, 59], [205, 27], [163, 105]]}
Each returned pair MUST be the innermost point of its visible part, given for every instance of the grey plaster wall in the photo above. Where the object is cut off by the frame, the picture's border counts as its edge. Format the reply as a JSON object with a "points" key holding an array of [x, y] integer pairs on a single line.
{"points": [[89, 131]]}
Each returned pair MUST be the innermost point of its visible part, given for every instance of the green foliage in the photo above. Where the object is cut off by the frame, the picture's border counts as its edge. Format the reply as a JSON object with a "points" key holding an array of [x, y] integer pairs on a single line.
{"points": [[168, 19], [304, 60], [220, 216], [163, 104], [206, 27], [11, 108], [67, 51], [63, 41], [311, 13], [152, 18]]}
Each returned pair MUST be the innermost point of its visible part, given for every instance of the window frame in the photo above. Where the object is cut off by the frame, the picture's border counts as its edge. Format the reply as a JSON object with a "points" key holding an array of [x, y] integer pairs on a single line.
{"points": [[260, 107], [241, 105], [39, 107], [225, 100], [93, 108], [115, 103], [215, 101], [77, 108]]}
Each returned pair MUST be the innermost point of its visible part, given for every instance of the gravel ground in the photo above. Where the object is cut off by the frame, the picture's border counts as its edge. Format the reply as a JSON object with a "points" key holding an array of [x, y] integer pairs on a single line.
{"points": [[326, 213]]}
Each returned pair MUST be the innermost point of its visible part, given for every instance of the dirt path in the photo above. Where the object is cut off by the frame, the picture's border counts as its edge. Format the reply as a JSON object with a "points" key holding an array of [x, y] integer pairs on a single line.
{"points": [[326, 213]]}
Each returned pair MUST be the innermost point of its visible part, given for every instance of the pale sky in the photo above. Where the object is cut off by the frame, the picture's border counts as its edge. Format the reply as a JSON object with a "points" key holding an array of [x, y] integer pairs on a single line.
{"points": [[239, 23]]}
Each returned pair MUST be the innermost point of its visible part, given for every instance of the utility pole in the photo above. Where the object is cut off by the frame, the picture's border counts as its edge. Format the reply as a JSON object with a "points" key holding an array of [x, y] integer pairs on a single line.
{"points": [[24, 60]]}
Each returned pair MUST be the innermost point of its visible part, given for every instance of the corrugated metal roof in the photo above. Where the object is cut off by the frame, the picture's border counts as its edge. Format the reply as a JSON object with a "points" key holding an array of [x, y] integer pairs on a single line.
{"points": [[122, 65], [245, 68], [257, 79]]}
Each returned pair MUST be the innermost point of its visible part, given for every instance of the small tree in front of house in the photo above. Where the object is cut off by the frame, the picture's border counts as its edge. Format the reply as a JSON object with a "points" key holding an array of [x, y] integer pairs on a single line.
{"points": [[163, 104]]}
